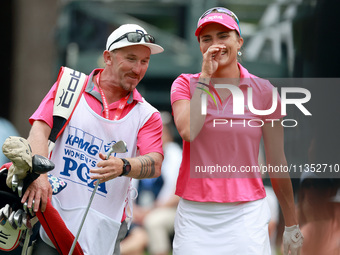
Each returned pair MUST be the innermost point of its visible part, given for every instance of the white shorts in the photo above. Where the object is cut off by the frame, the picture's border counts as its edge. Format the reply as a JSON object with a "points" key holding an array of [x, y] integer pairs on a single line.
{"points": [[222, 228]]}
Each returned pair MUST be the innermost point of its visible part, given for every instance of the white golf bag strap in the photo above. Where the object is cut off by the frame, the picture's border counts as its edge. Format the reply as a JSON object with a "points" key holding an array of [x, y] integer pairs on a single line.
{"points": [[27, 240], [70, 85], [131, 195], [25, 249]]}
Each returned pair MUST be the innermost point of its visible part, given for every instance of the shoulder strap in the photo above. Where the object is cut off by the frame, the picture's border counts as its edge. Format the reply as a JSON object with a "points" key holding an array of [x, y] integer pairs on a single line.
{"points": [[70, 86]]}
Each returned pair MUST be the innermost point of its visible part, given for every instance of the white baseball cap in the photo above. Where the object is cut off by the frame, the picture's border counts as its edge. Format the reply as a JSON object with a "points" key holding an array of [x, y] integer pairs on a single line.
{"points": [[129, 35]]}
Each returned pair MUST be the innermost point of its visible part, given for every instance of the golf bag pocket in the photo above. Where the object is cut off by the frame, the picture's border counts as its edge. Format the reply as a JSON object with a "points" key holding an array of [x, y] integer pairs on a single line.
{"points": [[10, 237], [98, 234]]}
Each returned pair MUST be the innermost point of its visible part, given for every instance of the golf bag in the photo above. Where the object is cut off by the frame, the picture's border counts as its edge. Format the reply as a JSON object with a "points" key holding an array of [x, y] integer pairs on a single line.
{"points": [[15, 239], [18, 228]]}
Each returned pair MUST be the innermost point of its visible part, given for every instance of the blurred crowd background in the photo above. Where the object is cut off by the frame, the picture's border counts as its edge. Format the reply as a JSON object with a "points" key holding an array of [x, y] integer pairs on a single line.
{"points": [[287, 39], [283, 38]]}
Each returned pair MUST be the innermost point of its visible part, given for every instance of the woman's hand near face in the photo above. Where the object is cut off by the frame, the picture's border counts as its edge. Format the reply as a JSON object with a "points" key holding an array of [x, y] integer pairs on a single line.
{"points": [[211, 59]]}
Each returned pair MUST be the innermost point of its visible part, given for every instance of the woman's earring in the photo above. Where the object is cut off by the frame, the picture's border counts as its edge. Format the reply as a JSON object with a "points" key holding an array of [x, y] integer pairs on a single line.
{"points": [[239, 53]]}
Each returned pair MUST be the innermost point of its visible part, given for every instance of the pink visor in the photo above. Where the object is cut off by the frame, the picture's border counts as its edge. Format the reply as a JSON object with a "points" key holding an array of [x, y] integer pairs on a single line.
{"points": [[220, 18]]}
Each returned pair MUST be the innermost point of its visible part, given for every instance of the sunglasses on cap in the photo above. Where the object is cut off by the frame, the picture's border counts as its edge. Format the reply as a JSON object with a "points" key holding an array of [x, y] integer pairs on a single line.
{"points": [[135, 37], [221, 10]]}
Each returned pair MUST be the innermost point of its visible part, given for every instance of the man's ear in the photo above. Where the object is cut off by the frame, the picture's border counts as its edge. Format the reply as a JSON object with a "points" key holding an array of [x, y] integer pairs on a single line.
{"points": [[107, 57]]}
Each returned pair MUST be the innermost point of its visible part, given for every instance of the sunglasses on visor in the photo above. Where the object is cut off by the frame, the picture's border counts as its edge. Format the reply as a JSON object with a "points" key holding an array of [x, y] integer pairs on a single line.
{"points": [[135, 37], [221, 10]]}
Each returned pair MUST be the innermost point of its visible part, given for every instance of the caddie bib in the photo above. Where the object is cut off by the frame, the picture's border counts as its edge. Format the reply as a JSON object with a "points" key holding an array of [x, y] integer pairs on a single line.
{"points": [[75, 153]]}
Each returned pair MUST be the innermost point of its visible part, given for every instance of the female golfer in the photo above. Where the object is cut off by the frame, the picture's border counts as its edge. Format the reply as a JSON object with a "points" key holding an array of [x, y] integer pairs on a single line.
{"points": [[223, 209]]}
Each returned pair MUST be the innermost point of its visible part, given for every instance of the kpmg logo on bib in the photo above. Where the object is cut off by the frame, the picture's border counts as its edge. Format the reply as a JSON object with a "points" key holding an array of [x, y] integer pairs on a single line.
{"points": [[81, 151]]}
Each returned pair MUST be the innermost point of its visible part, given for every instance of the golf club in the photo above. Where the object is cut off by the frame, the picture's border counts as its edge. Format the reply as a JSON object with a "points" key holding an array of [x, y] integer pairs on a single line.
{"points": [[25, 207], [118, 147], [26, 222], [11, 220], [40, 165], [20, 187], [15, 182], [18, 217], [2, 215], [30, 210], [7, 210]]}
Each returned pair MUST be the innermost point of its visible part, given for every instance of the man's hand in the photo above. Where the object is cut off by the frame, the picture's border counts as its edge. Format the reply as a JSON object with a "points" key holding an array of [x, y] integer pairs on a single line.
{"points": [[38, 191], [146, 166], [108, 168], [292, 240]]}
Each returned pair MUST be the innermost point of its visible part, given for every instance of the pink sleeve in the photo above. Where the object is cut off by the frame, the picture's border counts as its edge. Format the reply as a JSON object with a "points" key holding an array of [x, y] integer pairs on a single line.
{"points": [[180, 88], [45, 109], [149, 138]]}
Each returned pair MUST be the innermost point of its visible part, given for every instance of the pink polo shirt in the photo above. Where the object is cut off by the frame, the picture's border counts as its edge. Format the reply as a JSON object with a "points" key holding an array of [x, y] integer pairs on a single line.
{"points": [[149, 137], [231, 145]]}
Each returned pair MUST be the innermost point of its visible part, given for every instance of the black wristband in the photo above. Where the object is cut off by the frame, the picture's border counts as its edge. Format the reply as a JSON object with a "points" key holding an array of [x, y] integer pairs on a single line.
{"points": [[126, 167]]}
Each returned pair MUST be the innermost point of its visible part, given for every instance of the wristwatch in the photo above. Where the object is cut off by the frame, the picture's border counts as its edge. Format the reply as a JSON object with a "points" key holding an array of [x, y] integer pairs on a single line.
{"points": [[126, 167]]}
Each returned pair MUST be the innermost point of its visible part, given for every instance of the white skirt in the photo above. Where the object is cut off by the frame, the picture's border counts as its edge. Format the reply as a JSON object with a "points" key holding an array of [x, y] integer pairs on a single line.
{"points": [[222, 228]]}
